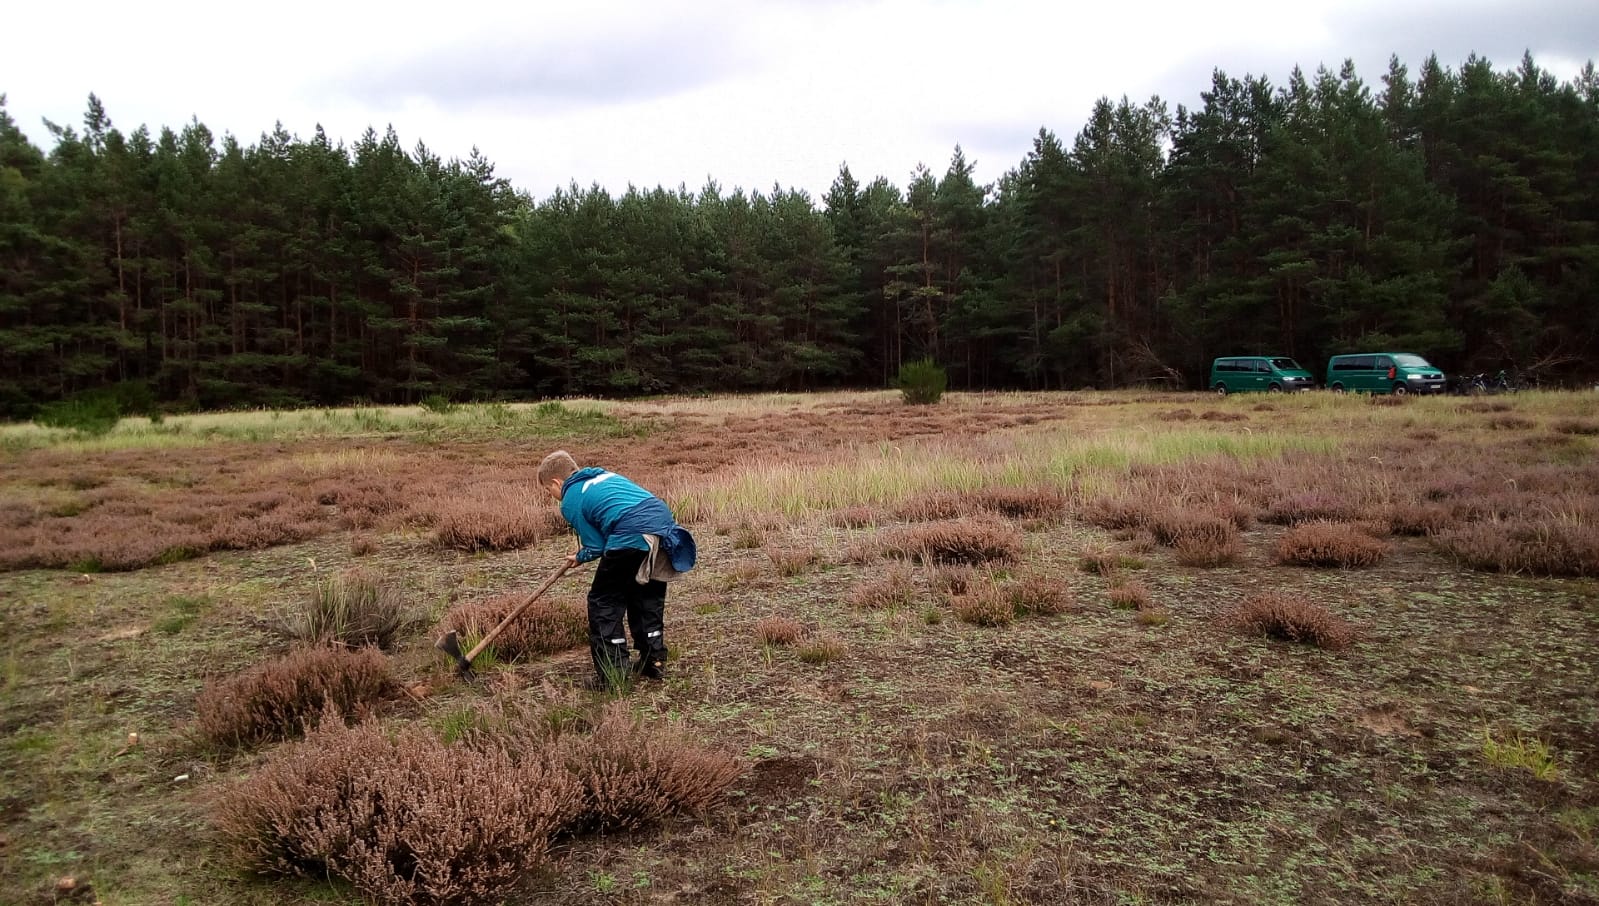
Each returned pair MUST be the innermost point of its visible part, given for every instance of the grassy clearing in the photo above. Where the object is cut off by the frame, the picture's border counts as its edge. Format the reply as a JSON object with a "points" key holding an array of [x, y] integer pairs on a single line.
{"points": [[906, 732]]}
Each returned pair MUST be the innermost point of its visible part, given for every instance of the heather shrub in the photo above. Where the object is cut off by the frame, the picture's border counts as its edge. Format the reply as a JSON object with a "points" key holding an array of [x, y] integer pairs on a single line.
{"points": [[984, 604], [889, 590], [550, 625], [1418, 518], [281, 697], [1103, 560], [1039, 595], [953, 580], [1197, 532], [1119, 512], [778, 631], [1214, 415], [1131, 595], [1310, 506], [855, 517], [960, 541], [353, 608], [1290, 619], [1038, 503], [790, 561], [1548, 546], [1329, 544], [921, 382], [404, 818], [1583, 427], [932, 506], [634, 774], [1510, 423], [494, 522], [1206, 551], [822, 649]]}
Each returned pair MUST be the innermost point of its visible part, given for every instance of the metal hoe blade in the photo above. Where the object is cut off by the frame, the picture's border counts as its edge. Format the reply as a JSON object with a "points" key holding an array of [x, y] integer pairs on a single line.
{"points": [[451, 645]]}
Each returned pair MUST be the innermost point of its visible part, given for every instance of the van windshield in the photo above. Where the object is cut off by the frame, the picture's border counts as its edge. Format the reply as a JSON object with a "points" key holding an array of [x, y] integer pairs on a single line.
{"points": [[1286, 365], [1411, 361]]}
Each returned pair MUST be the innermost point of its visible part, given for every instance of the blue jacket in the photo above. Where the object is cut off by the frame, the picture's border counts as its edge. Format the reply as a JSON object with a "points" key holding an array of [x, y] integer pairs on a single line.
{"points": [[609, 513]]}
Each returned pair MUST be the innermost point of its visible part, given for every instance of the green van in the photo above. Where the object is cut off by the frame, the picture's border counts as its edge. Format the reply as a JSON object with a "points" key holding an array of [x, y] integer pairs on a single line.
{"points": [[1258, 374], [1383, 372]]}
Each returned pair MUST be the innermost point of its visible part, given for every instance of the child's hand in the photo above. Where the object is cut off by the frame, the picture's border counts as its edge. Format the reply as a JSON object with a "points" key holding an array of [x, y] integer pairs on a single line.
{"points": [[571, 561]]}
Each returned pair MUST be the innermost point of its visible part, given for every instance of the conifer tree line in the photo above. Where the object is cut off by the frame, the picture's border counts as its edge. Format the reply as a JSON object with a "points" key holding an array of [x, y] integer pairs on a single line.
{"points": [[1454, 214]]}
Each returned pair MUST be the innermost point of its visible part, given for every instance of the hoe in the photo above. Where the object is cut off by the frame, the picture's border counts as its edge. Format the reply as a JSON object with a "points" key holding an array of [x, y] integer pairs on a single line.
{"points": [[451, 643]]}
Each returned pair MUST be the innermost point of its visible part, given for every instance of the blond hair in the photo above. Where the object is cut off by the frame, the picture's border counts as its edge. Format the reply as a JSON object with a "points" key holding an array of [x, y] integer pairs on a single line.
{"points": [[559, 464]]}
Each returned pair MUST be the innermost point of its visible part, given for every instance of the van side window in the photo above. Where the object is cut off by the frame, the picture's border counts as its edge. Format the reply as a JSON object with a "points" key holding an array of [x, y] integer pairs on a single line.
{"points": [[1384, 363], [1343, 365], [1363, 363], [1226, 365], [1262, 366]]}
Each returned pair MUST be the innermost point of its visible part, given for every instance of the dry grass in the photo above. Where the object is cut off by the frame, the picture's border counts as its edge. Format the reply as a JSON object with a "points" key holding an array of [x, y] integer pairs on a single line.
{"points": [[856, 517], [282, 697], [1200, 539], [1330, 544], [962, 541], [549, 626], [778, 631], [353, 608], [1290, 619]]}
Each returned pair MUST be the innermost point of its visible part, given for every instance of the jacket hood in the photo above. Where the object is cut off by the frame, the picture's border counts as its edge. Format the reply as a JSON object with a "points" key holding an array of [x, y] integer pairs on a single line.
{"points": [[581, 475]]}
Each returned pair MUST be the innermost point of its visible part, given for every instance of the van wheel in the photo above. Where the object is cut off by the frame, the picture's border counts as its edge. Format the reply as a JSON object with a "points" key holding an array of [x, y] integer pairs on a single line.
{"points": [[1274, 388], [1221, 389], [1400, 390], [1337, 388]]}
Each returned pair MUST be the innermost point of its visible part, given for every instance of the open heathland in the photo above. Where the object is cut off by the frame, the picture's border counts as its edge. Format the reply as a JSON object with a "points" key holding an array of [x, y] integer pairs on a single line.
{"points": [[1060, 648]]}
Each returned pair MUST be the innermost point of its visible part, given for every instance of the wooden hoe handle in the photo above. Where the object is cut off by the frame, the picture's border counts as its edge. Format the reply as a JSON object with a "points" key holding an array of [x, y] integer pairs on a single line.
{"points": [[494, 633]]}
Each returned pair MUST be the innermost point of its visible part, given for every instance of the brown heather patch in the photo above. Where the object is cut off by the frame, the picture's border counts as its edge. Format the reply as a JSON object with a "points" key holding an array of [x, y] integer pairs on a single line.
{"points": [[1389, 399], [1206, 552], [281, 697], [1581, 427], [778, 631], [984, 604], [962, 541], [855, 517], [405, 818], [549, 626], [497, 519], [1104, 560], [1418, 518], [1036, 502], [1039, 595], [1510, 423], [1215, 415], [932, 506], [1290, 619], [1550, 546], [1175, 415], [1481, 406], [822, 649], [892, 589], [409, 819], [1123, 511], [1311, 506], [1330, 544], [1130, 595], [1173, 526], [635, 774], [953, 580], [792, 561]]}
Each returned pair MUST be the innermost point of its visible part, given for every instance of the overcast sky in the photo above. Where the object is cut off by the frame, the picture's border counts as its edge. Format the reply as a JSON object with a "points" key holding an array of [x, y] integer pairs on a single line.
{"points": [[750, 93]]}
